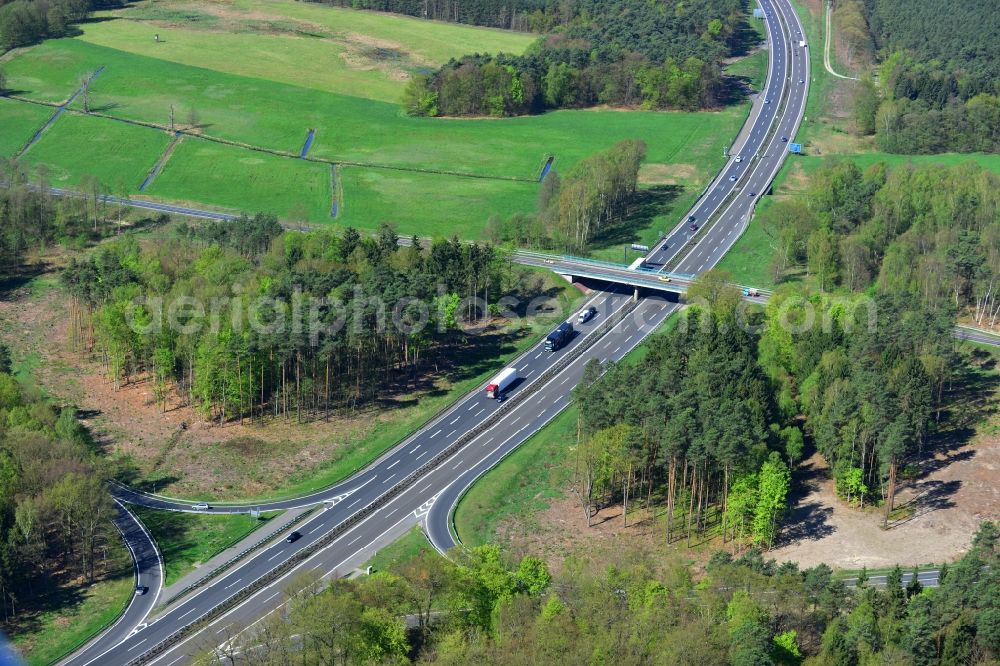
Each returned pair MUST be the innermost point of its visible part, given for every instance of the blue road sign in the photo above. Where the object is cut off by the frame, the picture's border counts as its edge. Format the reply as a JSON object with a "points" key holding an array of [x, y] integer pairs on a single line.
{"points": [[795, 147]]}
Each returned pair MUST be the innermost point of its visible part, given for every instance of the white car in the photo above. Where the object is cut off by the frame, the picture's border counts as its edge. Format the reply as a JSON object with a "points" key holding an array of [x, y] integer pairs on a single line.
{"points": [[739, 158], [201, 506]]}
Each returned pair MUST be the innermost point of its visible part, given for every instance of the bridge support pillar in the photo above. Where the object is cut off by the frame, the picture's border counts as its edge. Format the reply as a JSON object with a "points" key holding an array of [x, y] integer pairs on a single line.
{"points": [[635, 295]]}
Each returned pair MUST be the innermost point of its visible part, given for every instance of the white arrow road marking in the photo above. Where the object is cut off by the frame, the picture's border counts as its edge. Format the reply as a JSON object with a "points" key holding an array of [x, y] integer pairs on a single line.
{"points": [[425, 508]]}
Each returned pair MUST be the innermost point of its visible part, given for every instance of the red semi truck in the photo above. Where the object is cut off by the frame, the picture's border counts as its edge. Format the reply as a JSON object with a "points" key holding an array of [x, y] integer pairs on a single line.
{"points": [[499, 384]]}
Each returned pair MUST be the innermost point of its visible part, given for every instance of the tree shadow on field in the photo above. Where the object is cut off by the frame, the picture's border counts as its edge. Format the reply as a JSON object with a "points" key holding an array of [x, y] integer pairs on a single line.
{"points": [[105, 107], [648, 204]]}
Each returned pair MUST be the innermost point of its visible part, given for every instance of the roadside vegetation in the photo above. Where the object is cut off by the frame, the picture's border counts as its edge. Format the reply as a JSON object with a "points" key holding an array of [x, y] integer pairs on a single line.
{"points": [[487, 607], [62, 564], [189, 540]]}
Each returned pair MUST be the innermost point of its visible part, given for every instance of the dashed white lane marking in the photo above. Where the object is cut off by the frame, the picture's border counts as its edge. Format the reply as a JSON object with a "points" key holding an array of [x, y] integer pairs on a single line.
{"points": [[186, 614], [274, 556], [233, 583], [138, 644], [480, 411], [414, 449], [354, 539], [421, 455], [458, 464], [389, 479], [564, 381], [392, 465], [392, 512], [455, 421], [353, 503], [452, 432], [435, 434]]}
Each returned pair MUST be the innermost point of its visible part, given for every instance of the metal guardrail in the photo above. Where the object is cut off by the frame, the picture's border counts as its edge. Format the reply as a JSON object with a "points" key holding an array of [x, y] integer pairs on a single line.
{"points": [[389, 495], [228, 564]]}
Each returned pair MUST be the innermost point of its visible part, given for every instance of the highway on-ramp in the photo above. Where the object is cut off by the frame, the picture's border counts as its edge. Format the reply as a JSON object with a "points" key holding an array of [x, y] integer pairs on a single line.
{"points": [[402, 488]]}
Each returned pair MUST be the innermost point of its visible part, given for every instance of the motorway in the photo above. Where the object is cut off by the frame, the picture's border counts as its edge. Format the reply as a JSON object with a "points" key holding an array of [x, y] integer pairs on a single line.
{"points": [[420, 480]]}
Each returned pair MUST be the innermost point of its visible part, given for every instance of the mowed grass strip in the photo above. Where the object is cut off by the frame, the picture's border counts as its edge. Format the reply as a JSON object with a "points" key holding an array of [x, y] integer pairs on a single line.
{"points": [[359, 53], [19, 122], [203, 172], [428, 204], [400, 552], [187, 540], [120, 155]]}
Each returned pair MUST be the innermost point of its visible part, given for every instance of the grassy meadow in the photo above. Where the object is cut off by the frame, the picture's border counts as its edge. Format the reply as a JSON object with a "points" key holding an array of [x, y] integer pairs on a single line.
{"points": [[235, 71], [240, 179], [120, 155], [19, 122], [363, 54]]}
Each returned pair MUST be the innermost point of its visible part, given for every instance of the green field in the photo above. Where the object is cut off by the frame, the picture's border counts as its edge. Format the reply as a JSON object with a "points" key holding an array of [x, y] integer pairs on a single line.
{"points": [[340, 99], [200, 171], [428, 204], [19, 122], [120, 155], [277, 116], [365, 54], [186, 540]]}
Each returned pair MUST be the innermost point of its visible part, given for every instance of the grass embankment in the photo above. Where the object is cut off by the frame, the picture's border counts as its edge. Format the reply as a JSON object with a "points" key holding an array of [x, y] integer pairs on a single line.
{"points": [[71, 615], [187, 540], [119, 155], [19, 122], [400, 551], [520, 485], [535, 472]]}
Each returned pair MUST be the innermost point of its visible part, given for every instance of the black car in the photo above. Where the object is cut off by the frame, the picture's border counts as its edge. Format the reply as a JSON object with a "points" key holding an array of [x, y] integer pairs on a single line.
{"points": [[292, 536], [693, 227], [784, 139], [141, 590], [691, 218], [752, 194], [586, 315]]}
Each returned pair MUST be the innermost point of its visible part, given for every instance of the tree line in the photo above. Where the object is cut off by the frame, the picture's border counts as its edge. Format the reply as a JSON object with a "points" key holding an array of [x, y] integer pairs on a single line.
{"points": [[939, 77], [32, 219], [573, 211], [523, 15], [711, 422], [290, 325], [691, 424], [486, 607], [929, 233], [613, 52], [55, 513], [24, 22], [868, 385]]}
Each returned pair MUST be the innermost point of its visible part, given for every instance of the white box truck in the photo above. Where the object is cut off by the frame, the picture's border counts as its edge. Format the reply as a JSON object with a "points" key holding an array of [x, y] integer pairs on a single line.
{"points": [[499, 384]]}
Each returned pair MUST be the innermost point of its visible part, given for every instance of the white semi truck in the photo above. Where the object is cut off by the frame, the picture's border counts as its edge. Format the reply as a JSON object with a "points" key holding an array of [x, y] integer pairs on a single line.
{"points": [[500, 383]]}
